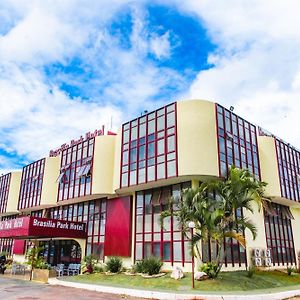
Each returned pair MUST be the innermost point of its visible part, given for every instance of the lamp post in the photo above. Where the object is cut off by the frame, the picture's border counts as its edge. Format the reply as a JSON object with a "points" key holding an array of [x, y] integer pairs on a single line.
{"points": [[191, 227]]}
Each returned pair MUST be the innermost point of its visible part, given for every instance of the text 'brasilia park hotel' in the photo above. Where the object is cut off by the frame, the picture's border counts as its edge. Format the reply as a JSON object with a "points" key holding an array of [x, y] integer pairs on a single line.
{"points": [[104, 193]]}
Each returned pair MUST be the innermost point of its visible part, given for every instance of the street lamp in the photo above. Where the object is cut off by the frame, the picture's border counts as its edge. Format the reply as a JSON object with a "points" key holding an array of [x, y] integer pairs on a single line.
{"points": [[191, 227]]}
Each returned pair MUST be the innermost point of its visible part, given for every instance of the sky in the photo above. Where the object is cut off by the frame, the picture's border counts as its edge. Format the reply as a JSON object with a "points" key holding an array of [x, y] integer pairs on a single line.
{"points": [[70, 66]]}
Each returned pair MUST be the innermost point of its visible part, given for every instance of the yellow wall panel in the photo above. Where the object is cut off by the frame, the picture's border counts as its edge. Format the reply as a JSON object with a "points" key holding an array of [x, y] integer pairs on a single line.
{"points": [[103, 171], [197, 138], [13, 194], [50, 186], [268, 165]]}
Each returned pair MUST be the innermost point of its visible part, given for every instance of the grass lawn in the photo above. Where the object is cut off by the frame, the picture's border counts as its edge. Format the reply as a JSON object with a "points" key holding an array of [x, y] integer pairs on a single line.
{"points": [[226, 282]]}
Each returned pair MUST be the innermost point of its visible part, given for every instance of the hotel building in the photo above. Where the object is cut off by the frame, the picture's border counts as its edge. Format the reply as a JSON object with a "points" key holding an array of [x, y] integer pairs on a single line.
{"points": [[104, 193]]}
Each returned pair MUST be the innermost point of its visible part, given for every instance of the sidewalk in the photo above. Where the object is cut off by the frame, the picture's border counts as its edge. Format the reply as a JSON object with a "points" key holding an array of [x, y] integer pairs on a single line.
{"points": [[174, 296]]}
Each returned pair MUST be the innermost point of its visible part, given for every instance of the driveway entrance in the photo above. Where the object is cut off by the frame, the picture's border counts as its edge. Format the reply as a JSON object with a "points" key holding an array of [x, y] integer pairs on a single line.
{"points": [[12, 289]]}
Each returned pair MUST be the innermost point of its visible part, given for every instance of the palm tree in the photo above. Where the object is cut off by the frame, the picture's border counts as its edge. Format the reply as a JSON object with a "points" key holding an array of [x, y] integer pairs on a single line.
{"points": [[214, 207]]}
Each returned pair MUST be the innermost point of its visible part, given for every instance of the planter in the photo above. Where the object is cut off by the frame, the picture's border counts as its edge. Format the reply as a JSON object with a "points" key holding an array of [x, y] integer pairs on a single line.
{"points": [[42, 275]]}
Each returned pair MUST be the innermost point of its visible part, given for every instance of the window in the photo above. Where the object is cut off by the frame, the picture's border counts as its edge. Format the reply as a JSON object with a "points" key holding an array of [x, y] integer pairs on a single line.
{"points": [[149, 153], [31, 184], [237, 143], [91, 212], [279, 234], [151, 239], [289, 170], [76, 171], [4, 189], [6, 244]]}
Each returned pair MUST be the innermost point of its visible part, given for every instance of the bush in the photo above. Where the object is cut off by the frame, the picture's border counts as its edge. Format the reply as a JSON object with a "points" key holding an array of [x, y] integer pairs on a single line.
{"points": [[41, 264], [211, 269], [89, 264], [138, 267], [289, 270], [114, 265], [98, 268], [35, 260], [150, 266], [251, 271]]}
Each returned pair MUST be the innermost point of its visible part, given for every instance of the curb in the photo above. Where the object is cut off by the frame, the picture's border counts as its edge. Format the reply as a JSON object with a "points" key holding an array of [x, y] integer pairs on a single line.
{"points": [[171, 296]]}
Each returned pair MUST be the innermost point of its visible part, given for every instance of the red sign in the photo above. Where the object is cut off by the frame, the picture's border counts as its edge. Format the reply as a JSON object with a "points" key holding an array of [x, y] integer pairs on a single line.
{"points": [[88, 135], [34, 227]]}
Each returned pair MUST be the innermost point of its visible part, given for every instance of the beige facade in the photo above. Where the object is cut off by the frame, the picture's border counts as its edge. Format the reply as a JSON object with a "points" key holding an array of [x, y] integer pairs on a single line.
{"points": [[50, 184], [13, 195], [196, 132], [104, 156], [268, 165]]}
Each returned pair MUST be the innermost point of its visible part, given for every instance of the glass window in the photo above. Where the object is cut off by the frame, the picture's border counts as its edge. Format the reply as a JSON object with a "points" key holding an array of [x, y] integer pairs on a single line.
{"points": [[156, 249], [161, 171], [151, 150], [171, 119], [171, 143], [142, 175], [151, 127], [171, 168], [160, 123], [149, 145], [160, 147], [167, 251], [142, 132]]}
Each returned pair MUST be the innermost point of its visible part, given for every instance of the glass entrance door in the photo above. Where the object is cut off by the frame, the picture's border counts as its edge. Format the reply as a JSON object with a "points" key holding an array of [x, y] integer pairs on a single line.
{"points": [[61, 252]]}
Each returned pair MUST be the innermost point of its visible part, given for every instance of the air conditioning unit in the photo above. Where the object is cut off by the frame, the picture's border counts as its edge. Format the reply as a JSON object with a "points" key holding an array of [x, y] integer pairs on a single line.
{"points": [[268, 253], [257, 261], [268, 262], [257, 252]]}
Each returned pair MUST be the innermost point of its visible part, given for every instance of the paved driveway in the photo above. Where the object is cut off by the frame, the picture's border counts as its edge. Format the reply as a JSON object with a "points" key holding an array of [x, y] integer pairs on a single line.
{"points": [[12, 289]]}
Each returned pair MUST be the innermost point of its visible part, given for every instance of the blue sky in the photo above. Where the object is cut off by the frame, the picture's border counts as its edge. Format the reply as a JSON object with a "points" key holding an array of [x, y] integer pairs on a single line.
{"points": [[67, 67]]}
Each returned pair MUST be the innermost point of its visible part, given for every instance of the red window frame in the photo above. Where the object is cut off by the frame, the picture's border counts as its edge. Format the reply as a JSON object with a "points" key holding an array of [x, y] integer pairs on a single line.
{"points": [[145, 153], [71, 184], [288, 162], [279, 236], [94, 214], [147, 208], [4, 190], [6, 244], [31, 184], [237, 143]]}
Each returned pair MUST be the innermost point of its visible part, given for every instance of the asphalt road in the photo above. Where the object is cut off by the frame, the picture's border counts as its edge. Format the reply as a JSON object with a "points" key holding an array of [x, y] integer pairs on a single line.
{"points": [[12, 289]]}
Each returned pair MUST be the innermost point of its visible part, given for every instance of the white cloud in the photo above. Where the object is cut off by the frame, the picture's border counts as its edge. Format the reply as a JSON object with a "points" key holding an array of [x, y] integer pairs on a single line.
{"points": [[160, 45], [35, 114], [256, 66]]}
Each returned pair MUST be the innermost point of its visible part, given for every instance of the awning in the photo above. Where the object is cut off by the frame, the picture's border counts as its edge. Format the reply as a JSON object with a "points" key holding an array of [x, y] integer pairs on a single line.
{"points": [[34, 227]]}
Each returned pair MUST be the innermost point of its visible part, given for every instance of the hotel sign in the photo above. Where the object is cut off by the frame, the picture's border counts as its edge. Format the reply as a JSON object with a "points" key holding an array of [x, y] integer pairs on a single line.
{"points": [[30, 227], [87, 136]]}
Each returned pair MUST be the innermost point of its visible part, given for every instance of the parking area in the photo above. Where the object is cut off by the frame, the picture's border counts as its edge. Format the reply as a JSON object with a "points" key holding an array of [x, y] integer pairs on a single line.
{"points": [[13, 289]]}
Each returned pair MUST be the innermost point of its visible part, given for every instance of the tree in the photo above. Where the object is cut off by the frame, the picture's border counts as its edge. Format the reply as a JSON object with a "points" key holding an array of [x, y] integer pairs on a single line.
{"points": [[215, 208]]}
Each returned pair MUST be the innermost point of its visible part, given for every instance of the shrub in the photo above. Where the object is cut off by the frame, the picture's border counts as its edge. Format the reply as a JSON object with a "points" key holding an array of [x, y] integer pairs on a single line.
{"points": [[211, 269], [138, 267], [114, 265], [150, 266], [289, 270], [98, 268], [251, 271], [35, 260], [41, 264], [89, 264]]}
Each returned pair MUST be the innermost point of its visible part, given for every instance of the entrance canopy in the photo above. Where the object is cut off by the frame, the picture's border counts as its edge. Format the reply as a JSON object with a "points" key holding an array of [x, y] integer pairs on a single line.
{"points": [[34, 227]]}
